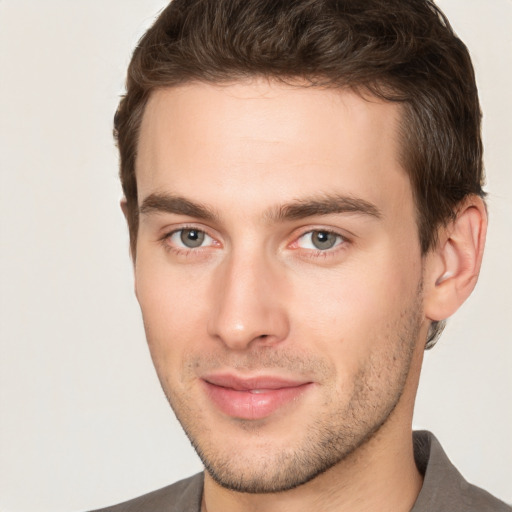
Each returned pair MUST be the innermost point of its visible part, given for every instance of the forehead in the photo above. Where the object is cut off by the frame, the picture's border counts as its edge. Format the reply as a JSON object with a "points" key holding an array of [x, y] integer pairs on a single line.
{"points": [[259, 138]]}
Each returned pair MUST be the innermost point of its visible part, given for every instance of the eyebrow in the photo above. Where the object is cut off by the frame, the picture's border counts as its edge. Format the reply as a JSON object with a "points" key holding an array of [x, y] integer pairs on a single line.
{"points": [[165, 203], [299, 209], [325, 205]]}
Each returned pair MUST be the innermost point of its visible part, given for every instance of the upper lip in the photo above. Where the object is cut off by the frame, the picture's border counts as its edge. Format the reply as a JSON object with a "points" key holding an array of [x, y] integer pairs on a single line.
{"points": [[238, 383]]}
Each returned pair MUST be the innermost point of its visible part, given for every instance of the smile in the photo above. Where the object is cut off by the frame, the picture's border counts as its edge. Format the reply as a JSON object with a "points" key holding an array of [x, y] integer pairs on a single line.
{"points": [[253, 398]]}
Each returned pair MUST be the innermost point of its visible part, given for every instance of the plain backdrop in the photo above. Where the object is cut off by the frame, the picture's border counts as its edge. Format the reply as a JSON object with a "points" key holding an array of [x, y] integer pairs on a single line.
{"points": [[83, 422]]}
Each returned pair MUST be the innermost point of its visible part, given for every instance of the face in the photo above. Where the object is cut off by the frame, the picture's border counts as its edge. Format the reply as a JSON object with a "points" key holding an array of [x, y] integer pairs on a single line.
{"points": [[279, 273]]}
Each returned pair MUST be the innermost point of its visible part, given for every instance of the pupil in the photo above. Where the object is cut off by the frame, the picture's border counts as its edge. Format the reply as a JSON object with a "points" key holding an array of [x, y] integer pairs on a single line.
{"points": [[324, 240], [192, 237]]}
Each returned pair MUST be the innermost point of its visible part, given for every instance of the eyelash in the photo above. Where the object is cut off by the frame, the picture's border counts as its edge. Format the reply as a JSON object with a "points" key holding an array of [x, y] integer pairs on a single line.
{"points": [[307, 253], [319, 253], [182, 251]]}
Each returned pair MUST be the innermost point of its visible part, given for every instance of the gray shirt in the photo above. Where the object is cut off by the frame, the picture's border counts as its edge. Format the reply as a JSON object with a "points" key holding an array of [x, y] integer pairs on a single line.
{"points": [[444, 489]]}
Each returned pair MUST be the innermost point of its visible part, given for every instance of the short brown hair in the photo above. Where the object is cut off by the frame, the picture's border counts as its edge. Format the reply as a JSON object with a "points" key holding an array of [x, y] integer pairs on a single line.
{"points": [[398, 50]]}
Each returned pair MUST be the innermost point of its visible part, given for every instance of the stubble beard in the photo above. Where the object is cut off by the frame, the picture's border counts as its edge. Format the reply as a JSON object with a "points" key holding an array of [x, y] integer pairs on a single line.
{"points": [[342, 429]]}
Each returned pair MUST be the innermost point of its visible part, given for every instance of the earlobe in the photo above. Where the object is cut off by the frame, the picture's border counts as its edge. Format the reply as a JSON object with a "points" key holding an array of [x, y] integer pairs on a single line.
{"points": [[452, 267]]}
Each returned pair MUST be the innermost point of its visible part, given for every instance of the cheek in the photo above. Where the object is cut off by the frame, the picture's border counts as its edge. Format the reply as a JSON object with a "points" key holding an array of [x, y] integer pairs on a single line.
{"points": [[355, 305], [171, 307]]}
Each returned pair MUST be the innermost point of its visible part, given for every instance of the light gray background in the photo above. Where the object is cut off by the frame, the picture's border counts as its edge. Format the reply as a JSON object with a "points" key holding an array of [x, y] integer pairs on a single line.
{"points": [[83, 421]]}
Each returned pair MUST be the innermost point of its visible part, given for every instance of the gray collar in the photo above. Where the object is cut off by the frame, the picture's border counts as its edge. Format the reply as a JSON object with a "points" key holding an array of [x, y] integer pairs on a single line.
{"points": [[444, 488]]}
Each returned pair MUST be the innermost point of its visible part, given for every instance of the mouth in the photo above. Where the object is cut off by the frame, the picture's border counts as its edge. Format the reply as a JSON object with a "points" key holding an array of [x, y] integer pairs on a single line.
{"points": [[252, 398]]}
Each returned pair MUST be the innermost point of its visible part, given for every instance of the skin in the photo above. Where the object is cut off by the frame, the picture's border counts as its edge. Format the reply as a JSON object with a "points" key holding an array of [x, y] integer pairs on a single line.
{"points": [[257, 298]]}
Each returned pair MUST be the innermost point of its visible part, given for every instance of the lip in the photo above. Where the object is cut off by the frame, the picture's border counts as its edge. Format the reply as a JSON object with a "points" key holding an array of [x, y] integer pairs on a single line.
{"points": [[252, 398]]}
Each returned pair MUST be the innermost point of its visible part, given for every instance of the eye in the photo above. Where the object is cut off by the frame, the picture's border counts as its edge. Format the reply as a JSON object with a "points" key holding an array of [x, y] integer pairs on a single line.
{"points": [[319, 240], [190, 238]]}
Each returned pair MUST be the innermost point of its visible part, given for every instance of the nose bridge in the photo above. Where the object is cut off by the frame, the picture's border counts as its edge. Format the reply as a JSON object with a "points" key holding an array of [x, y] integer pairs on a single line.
{"points": [[246, 305]]}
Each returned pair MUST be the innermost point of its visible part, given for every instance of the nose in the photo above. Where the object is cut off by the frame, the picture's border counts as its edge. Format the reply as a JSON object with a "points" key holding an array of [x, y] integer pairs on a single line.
{"points": [[247, 307]]}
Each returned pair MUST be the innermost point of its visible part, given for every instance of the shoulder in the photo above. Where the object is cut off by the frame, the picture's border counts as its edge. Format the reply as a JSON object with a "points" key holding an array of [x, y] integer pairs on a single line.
{"points": [[182, 496], [444, 488]]}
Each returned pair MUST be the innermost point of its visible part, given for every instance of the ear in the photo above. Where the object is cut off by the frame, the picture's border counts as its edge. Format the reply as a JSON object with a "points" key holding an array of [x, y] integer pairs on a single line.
{"points": [[452, 267], [124, 207]]}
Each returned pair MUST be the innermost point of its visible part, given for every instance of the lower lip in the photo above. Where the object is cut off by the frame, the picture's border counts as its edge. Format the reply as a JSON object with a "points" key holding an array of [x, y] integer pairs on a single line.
{"points": [[252, 406]]}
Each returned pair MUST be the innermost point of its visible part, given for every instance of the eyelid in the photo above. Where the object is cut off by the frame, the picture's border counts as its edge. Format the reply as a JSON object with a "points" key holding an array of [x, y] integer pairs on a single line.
{"points": [[215, 242], [338, 239], [313, 252], [206, 242], [165, 238]]}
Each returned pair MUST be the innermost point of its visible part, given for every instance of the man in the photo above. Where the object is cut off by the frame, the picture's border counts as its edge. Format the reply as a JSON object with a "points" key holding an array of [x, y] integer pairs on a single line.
{"points": [[303, 190]]}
